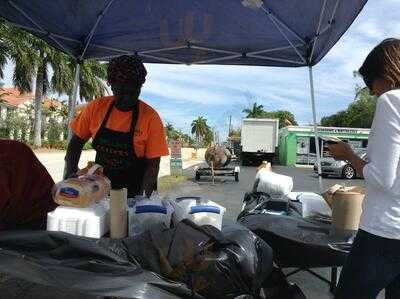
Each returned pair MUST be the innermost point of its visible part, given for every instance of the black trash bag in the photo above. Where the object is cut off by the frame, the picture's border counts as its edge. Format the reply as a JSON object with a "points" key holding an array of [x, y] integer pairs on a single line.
{"points": [[258, 202], [164, 263], [294, 237], [84, 265], [212, 264], [278, 287], [253, 202]]}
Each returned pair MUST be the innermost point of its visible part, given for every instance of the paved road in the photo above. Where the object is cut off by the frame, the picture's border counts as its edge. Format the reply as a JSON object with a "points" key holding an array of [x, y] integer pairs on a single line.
{"points": [[230, 194]]}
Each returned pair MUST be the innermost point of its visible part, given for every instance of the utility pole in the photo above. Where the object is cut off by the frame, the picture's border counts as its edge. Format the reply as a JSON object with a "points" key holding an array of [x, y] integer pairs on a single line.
{"points": [[230, 126]]}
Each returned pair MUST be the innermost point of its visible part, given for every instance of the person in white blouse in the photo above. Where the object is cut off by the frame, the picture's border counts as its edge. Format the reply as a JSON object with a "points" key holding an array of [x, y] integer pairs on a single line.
{"points": [[374, 261]]}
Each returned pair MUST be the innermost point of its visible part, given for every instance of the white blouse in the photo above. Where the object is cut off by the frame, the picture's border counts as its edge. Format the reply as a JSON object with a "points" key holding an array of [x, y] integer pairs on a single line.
{"points": [[381, 207]]}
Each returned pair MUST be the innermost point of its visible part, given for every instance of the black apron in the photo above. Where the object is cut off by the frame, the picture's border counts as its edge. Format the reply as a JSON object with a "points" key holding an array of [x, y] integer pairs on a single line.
{"points": [[115, 152]]}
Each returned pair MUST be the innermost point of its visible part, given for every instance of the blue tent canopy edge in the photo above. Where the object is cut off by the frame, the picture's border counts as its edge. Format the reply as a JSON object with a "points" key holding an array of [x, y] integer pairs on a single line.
{"points": [[284, 33]]}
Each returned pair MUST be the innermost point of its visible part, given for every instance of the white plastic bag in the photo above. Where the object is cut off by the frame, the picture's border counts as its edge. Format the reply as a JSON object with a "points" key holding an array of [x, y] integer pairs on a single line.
{"points": [[277, 186], [199, 211], [83, 191], [312, 203], [144, 213]]}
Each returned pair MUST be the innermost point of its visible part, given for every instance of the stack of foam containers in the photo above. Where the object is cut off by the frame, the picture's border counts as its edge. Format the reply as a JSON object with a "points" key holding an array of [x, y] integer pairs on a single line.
{"points": [[199, 211], [92, 221]]}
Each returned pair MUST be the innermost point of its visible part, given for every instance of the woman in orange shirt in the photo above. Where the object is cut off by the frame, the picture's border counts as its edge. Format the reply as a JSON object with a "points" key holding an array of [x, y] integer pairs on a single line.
{"points": [[128, 135]]}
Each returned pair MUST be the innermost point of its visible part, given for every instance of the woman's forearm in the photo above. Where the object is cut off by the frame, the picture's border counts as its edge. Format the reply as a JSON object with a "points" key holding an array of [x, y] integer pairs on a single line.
{"points": [[150, 176], [357, 163]]}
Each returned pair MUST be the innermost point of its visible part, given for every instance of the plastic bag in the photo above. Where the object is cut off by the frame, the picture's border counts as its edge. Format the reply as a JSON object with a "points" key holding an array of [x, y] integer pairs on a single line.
{"points": [[82, 191], [212, 264], [278, 287], [275, 185], [145, 213], [312, 204], [199, 211], [237, 262]]}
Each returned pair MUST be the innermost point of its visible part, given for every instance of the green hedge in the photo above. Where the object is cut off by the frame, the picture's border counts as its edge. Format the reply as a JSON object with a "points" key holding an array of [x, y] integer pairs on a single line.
{"points": [[62, 145]]}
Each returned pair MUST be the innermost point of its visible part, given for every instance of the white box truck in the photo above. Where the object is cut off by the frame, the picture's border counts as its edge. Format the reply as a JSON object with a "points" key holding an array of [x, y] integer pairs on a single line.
{"points": [[259, 140]]}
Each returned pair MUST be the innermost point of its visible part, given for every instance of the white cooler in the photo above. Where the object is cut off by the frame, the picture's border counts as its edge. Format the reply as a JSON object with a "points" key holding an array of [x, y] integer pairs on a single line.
{"points": [[201, 212], [93, 221]]}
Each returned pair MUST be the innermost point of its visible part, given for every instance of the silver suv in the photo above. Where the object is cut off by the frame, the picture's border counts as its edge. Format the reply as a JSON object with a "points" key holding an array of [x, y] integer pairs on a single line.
{"points": [[343, 169]]}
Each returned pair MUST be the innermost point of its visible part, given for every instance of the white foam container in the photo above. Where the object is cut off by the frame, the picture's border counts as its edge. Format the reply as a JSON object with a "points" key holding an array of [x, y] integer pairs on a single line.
{"points": [[93, 221], [201, 212], [146, 213]]}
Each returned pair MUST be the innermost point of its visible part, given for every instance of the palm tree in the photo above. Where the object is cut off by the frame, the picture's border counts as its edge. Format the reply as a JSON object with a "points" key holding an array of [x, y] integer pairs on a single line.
{"points": [[2, 93], [208, 137], [3, 55], [33, 59], [91, 80], [169, 130], [62, 114], [254, 111], [200, 128], [285, 117], [17, 48]]}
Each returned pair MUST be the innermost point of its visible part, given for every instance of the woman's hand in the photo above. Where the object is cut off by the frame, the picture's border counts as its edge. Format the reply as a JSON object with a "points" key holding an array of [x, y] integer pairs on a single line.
{"points": [[341, 151]]}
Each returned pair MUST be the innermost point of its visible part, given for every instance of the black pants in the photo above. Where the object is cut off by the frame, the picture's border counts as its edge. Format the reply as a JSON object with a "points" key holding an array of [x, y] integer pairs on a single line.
{"points": [[373, 265]]}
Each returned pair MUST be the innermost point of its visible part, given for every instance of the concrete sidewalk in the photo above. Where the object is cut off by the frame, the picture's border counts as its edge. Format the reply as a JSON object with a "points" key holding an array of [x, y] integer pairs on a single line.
{"points": [[54, 163]]}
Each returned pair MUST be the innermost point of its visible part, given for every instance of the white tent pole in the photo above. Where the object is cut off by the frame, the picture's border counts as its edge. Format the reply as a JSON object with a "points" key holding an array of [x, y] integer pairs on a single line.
{"points": [[71, 105], [273, 20], [90, 36], [274, 49], [275, 59], [278, 20], [321, 16], [330, 23], [162, 59], [316, 134]]}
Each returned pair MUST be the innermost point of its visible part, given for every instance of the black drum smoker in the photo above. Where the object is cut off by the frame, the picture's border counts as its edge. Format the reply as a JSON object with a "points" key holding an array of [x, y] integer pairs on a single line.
{"points": [[218, 159]]}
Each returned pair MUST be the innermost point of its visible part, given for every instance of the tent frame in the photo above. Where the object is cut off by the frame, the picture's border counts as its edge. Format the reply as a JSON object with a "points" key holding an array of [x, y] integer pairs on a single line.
{"points": [[278, 23]]}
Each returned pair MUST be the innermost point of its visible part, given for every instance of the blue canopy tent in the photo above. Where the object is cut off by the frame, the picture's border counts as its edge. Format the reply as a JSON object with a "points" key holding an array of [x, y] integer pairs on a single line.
{"points": [[282, 33]]}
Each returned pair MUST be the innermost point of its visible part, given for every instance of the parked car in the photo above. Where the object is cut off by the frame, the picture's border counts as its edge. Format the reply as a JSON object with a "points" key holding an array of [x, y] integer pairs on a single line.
{"points": [[343, 169]]}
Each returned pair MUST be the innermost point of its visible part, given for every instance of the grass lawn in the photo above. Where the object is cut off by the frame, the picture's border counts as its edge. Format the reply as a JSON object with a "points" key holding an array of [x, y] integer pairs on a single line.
{"points": [[165, 183]]}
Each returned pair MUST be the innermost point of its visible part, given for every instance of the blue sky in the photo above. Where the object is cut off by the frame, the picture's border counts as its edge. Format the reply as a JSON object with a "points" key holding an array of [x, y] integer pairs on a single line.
{"points": [[181, 93]]}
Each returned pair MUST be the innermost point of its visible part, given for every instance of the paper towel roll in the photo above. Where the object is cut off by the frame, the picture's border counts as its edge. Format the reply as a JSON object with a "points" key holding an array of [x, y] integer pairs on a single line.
{"points": [[346, 209], [118, 211]]}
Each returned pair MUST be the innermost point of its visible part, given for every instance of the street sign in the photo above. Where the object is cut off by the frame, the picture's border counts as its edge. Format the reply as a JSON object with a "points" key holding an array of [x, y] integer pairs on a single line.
{"points": [[176, 167], [176, 149]]}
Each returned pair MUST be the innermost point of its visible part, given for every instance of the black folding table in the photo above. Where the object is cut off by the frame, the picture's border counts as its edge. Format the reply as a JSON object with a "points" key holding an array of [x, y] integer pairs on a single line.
{"points": [[300, 243]]}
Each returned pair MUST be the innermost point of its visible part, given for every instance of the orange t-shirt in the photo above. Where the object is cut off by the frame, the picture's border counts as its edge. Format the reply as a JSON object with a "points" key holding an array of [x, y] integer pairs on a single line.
{"points": [[149, 137]]}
